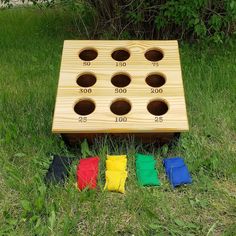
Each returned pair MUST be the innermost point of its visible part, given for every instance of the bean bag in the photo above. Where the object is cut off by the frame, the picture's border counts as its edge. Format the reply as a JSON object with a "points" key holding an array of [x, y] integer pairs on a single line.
{"points": [[87, 172], [116, 173], [115, 180], [176, 171], [146, 172]]}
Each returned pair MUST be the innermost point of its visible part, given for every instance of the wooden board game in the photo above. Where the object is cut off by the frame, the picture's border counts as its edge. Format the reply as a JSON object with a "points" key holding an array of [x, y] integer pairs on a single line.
{"points": [[120, 87]]}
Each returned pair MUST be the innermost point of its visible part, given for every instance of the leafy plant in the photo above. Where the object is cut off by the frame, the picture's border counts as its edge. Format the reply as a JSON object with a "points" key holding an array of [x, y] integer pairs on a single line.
{"points": [[149, 19], [170, 19]]}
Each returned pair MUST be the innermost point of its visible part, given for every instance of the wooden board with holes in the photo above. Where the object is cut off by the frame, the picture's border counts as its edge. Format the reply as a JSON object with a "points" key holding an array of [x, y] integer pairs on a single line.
{"points": [[110, 86]]}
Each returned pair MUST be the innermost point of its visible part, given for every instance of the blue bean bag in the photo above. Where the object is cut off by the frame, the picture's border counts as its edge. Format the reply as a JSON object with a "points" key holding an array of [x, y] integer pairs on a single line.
{"points": [[176, 171]]}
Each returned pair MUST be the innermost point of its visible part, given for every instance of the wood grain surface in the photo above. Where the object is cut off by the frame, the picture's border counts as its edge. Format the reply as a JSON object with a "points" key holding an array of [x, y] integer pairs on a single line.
{"points": [[168, 109]]}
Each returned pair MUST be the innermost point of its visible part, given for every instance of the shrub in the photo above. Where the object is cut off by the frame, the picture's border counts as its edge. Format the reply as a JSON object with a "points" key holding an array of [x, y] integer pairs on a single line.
{"points": [[168, 19], [151, 19]]}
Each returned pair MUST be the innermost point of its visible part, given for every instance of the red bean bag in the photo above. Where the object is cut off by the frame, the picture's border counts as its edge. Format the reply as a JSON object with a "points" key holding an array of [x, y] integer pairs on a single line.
{"points": [[87, 172]]}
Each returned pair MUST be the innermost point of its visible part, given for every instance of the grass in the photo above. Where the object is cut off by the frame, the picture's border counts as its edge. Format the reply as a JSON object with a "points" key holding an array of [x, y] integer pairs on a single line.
{"points": [[30, 51]]}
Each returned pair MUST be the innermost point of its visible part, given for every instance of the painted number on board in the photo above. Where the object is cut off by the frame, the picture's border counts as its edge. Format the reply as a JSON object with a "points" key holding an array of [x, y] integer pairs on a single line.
{"points": [[82, 119], [86, 90], [120, 90], [121, 119], [120, 64], [156, 90], [86, 63], [158, 119]]}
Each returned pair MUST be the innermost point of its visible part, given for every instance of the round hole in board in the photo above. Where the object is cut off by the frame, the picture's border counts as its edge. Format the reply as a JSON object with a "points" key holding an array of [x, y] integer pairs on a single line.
{"points": [[86, 80], [157, 107], [120, 54], [84, 107], [154, 55], [155, 80], [120, 107], [88, 54], [120, 80]]}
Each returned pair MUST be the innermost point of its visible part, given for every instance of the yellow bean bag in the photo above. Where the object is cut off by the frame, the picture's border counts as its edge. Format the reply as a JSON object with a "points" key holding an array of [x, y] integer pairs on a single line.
{"points": [[115, 180], [116, 173], [115, 157], [116, 165]]}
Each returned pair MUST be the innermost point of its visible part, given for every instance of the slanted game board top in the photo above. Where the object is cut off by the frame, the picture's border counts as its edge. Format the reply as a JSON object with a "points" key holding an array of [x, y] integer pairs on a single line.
{"points": [[110, 86]]}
